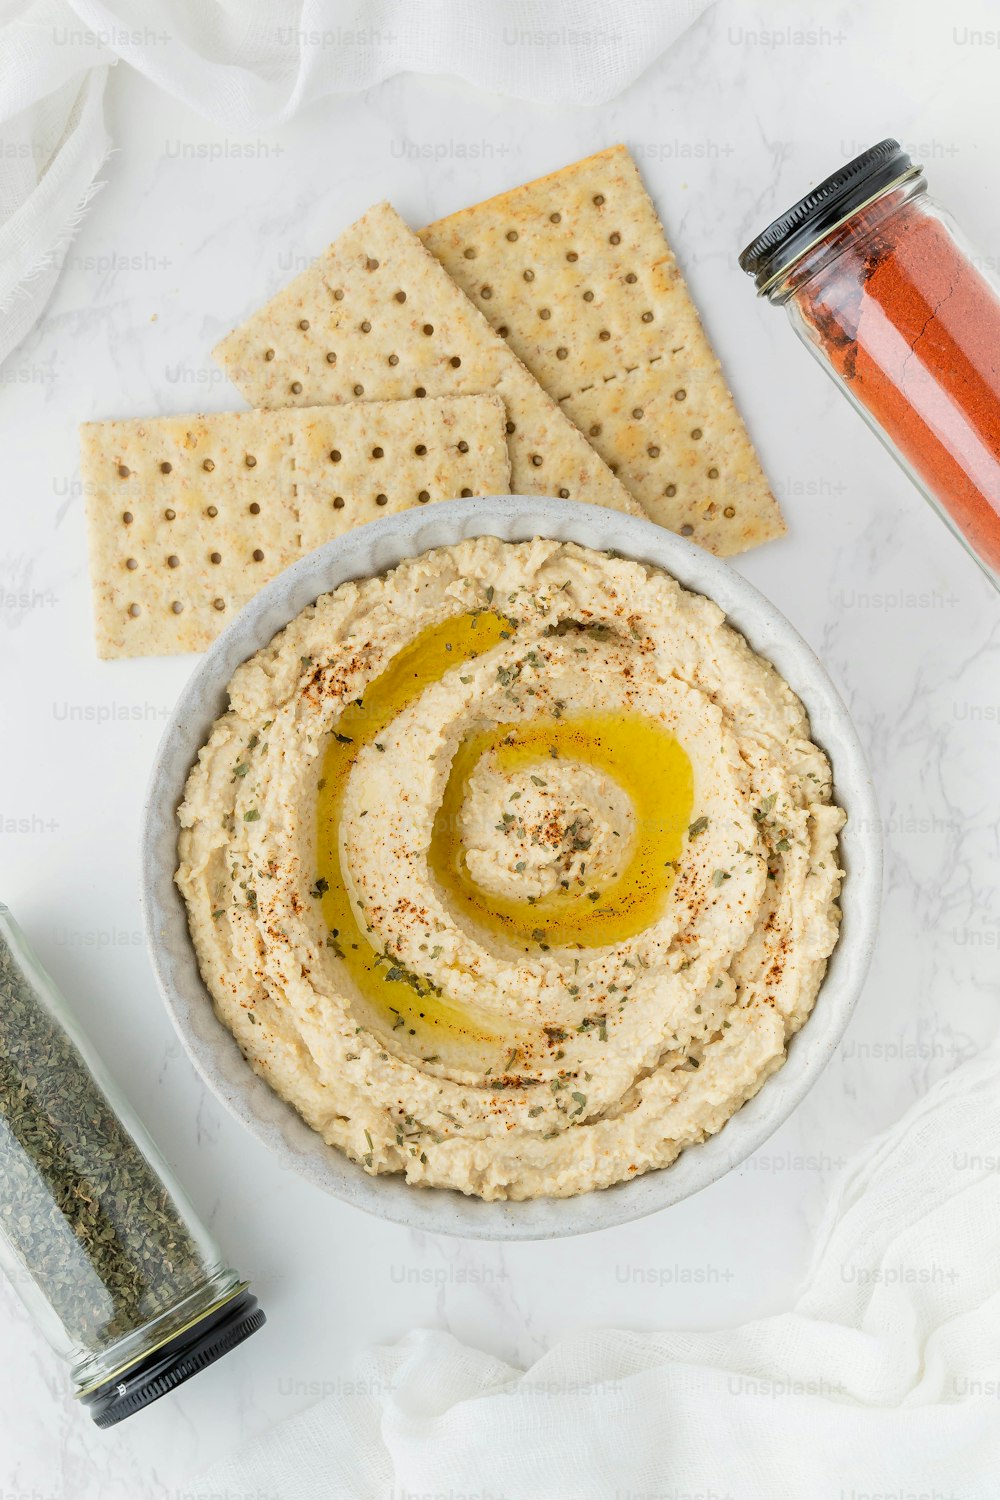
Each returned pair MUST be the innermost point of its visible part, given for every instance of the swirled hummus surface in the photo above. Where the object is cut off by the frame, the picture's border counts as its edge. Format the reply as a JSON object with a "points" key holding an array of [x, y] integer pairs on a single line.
{"points": [[513, 870]]}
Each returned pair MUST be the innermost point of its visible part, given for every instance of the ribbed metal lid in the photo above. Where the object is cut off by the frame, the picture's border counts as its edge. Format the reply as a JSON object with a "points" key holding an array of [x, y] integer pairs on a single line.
{"points": [[169, 1366], [783, 241]]}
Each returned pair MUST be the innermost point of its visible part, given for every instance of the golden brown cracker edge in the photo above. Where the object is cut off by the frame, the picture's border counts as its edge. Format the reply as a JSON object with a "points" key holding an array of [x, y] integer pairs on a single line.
{"points": [[377, 317], [188, 516], [575, 272]]}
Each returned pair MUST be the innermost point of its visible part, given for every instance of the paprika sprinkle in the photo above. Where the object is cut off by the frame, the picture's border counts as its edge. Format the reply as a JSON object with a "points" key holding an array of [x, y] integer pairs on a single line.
{"points": [[880, 288]]}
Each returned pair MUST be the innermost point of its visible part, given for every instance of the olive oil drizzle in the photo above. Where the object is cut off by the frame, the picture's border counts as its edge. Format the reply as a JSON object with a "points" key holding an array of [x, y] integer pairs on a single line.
{"points": [[646, 761], [402, 1000], [639, 753]]}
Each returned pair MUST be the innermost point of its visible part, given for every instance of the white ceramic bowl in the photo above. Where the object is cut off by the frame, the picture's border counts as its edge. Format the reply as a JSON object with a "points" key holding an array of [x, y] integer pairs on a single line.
{"points": [[373, 549]]}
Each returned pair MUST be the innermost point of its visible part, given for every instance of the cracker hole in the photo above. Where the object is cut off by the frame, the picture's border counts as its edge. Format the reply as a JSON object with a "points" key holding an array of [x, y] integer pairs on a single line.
{"points": [[713, 473], [381, 499], [335, 455], [123, 471], [359, 390], [588, 296], [177, 607], [696, 433], [255, 509], [338, 502], [536, 459], [647, 317], [680, 395], [215, 557], [428, 329], [394, 359], [131, 564], [729, 512], [512, 235], [687, 529], [420, 450], [371, 264], [134, 610], [510, 427], [127, 517], [544, 313], [331, 358], [213, 511], [469, 253], [564, 494], [572, 255], [424, 496], [303, 324], [366, 327], [631, 278], [400, 296], [670, 491], [614, 239], [595, 430], [653, 451], [268, 354], [250, 461], [165, 468], [503, 330], [555, 218], [420, 391], [218, 603], [378, 453], [173, 561], [258, 555], [463, 446], [604, 335], [455, 361], [486, 292], [208, 465], [529, 275], [296, 388], [561, 353], [170, 515], [638, 413], [466, 494], [598, 199], [338, 295]]}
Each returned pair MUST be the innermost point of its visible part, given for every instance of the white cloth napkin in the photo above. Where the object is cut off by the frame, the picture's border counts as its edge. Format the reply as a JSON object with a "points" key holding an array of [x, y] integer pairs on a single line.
{"points": [[252, 64], [882, 1381], [54, 144]]}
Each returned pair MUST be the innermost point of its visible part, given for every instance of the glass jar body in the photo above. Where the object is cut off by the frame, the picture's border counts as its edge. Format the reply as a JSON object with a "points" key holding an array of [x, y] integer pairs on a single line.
{"points": [[907, 321], [96, 1235]]}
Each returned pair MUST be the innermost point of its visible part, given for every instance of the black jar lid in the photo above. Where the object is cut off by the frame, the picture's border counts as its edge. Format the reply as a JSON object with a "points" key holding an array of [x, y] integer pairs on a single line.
{"points": [[194, 1348], [769, 255]]}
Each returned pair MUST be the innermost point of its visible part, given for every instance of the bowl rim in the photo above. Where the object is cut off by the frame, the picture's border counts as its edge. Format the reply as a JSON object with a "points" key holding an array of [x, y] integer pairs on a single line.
{"points": [[373, 549]]}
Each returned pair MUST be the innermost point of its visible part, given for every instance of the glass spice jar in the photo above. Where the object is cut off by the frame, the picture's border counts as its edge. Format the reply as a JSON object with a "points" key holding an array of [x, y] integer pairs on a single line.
{"points": [[95, 1233], [880, 285]]}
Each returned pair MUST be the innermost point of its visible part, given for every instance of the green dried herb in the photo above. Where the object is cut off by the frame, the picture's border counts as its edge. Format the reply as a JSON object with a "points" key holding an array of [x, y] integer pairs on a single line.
{"points": [[82, 1208]]}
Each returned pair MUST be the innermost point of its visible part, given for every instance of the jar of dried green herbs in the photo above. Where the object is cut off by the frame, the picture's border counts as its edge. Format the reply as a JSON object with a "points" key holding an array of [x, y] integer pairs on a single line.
{"points": [[95, 1233]]}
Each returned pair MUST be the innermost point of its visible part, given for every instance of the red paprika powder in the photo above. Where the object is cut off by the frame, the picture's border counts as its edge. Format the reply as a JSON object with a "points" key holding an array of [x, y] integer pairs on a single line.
{"points": [[880, 287]]}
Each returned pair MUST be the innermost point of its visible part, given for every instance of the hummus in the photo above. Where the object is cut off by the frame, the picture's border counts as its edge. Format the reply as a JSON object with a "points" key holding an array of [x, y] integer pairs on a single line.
{"points": [[513, 870]]}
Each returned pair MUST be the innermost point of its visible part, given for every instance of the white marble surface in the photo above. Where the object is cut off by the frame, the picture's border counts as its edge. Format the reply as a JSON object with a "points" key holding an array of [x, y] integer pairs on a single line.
{"points": [[191, 232]]}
